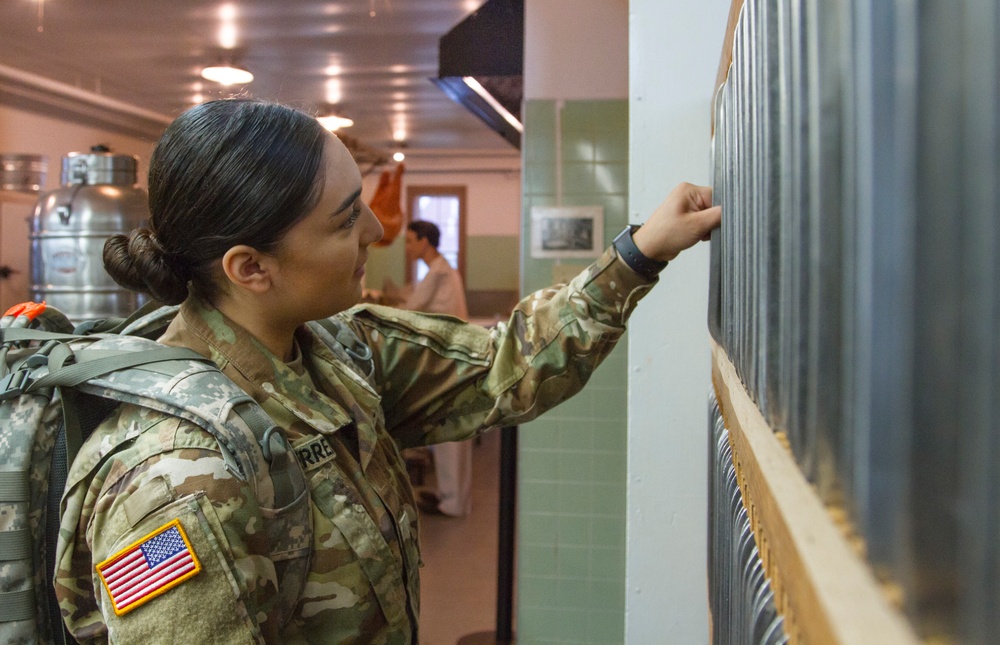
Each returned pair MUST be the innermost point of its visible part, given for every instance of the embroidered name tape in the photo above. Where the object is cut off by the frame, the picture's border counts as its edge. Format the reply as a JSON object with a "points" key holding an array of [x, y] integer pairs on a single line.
{"points": [[153, 565], [315, 452]]}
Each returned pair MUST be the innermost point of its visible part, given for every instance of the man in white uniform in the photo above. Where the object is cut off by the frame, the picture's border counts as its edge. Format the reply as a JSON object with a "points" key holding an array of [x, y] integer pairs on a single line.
{"points": [[441, 292]]}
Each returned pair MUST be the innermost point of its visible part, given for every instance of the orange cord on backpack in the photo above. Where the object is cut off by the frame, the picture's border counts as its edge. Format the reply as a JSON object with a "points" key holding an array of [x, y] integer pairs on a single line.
{"points": [[30, 310]]}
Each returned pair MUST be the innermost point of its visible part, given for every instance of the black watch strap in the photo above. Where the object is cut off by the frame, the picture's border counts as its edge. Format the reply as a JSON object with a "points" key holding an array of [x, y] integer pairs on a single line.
{"points": [[643, 265]]}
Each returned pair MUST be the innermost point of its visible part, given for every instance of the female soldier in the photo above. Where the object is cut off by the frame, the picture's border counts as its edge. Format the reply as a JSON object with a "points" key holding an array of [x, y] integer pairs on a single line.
{"points": [[257, 227]]}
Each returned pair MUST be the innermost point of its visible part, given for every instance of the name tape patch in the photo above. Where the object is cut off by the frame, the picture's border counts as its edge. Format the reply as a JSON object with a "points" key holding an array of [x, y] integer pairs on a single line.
{"points": [[315, 452], [152, 566]]}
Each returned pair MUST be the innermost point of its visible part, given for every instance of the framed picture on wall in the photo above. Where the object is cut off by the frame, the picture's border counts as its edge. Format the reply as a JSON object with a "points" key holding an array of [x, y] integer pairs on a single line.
{"points": [[567, 231]]}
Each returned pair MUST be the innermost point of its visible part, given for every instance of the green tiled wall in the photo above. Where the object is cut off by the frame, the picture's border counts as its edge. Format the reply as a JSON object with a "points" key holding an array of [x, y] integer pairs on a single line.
{"points": [[491, 263], [572, 461]]}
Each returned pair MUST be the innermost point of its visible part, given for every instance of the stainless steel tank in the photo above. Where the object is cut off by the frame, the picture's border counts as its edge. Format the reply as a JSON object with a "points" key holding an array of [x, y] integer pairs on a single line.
{"points": [[98, 198]]}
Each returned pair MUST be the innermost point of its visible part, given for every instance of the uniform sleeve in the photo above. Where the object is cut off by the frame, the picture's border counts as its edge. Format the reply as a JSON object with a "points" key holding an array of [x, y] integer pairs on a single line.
{"points": [[442, 379], [141, 511]]}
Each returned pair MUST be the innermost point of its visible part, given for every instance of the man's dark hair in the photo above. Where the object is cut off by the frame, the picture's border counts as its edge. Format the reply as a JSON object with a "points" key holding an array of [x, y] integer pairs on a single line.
{"points": [[426, 231]]}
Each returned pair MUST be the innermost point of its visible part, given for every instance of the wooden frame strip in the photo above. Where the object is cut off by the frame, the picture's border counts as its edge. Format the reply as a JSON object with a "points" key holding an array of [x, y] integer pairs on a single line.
{"points": [[726, 59], [827, 594]]}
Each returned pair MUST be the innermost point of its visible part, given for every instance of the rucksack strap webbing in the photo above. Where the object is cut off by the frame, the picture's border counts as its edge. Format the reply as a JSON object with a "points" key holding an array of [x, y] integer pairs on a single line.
{"points": [[14, 486], [285, 471], [72, 431], [77, 373], [15, 545], [115, 325], [17, 605], [19, 334]]}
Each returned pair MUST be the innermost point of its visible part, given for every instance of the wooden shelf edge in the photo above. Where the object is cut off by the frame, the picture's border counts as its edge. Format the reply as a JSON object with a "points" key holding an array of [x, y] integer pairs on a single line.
{"points": [[826, 592], [15, 197]]}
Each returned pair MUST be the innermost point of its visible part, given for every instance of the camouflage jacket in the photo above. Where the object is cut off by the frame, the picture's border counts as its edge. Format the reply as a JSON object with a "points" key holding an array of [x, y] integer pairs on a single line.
{"points": [[356, 580]]}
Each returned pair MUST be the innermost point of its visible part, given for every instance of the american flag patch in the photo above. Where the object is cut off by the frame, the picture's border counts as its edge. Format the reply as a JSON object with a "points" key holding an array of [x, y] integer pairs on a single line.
{"points": [[155, 564]]}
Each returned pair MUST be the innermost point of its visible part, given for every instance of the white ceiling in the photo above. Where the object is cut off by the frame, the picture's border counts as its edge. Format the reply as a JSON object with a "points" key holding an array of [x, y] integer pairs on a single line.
{"points": [[372, 58]]}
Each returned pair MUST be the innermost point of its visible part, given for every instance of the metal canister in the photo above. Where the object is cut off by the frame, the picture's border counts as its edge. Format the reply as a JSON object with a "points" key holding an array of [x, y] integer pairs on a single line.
{"points": [[99, 197], [23, 172]]}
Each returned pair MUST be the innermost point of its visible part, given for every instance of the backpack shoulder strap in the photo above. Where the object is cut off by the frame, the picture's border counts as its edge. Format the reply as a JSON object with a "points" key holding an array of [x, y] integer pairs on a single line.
{"points": [[150, 324], [185, 384], [346, 345], [148, 321], [172, 380]]}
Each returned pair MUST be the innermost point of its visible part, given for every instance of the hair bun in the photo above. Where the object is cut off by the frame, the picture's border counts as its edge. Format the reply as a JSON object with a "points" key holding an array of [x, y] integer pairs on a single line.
{"points": [[138, 261]]}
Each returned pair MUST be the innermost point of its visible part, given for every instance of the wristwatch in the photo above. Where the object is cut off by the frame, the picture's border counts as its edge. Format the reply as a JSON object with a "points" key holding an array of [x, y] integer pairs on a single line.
{"points": [[638, 261]]}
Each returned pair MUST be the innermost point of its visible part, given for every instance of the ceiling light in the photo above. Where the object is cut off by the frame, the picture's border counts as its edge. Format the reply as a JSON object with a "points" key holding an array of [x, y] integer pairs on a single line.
{"points": [[333, 122], [227, 28], [227, 35], [398, 156], [334, 90], [226, 74]]}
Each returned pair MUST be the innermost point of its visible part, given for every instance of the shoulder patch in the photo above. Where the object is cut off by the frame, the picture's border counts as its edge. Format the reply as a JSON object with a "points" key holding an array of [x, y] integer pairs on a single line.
{"points": [[153, 565]]}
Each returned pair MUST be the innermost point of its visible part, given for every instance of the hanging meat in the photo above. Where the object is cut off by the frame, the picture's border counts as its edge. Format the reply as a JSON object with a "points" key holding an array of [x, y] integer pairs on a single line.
{"points": [[386, 204]]}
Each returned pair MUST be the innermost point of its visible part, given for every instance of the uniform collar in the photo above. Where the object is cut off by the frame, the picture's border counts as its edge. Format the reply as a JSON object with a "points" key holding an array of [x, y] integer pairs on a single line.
{"points": [[244, 359]]}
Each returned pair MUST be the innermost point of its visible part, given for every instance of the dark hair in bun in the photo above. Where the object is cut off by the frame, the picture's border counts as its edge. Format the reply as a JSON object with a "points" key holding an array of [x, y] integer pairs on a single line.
{"points": [[228, 172], [141, 264]]}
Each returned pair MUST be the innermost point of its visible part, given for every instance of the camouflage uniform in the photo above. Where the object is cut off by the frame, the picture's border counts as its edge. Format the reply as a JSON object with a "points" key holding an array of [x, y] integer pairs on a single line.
{"points": [[434, 379]]}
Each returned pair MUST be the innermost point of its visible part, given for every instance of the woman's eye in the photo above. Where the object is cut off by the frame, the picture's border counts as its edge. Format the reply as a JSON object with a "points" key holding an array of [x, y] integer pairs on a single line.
{"points": [[355, 214]]}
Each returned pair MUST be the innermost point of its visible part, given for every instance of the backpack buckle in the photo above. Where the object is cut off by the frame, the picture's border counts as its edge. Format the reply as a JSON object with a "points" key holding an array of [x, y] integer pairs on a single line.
{"points": [[14, 384]]}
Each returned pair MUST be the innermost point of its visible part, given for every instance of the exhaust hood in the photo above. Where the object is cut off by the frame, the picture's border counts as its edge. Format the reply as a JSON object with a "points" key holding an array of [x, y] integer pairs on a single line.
{"points": [[481, 63]]}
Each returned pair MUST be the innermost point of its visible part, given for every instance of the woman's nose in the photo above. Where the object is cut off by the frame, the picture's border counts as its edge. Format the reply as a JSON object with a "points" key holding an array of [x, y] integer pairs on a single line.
{"points": [[373, 228]]}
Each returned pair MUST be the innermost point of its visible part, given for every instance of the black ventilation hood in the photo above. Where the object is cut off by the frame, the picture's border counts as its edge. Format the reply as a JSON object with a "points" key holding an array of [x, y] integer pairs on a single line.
{"points": [[481, 66]]}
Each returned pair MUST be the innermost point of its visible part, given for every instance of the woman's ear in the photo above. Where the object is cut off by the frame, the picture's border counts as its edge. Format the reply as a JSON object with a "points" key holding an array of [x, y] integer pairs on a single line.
{"points": [[247, 268]]}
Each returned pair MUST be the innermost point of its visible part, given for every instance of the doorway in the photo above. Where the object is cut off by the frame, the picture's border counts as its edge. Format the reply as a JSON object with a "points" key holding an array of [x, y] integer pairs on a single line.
{"points": [[445, 206]]}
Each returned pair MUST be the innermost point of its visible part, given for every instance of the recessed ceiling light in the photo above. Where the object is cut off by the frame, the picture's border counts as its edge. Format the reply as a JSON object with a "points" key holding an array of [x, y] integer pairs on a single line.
{"points": [[333, 122], [398, 156], [227, 75], [227, 35]]}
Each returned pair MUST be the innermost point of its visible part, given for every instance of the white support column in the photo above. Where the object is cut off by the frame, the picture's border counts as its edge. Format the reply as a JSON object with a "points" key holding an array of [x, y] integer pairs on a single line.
{"points": [[674, 51]]}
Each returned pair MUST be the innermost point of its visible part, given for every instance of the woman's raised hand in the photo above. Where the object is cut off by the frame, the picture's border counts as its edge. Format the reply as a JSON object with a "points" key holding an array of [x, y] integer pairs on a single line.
{"points": [[684, 218]]}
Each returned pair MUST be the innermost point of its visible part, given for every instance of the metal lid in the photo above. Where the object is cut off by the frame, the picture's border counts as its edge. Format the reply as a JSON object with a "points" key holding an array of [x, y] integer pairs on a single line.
{"points": [[23, 172], [99, 168]]}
